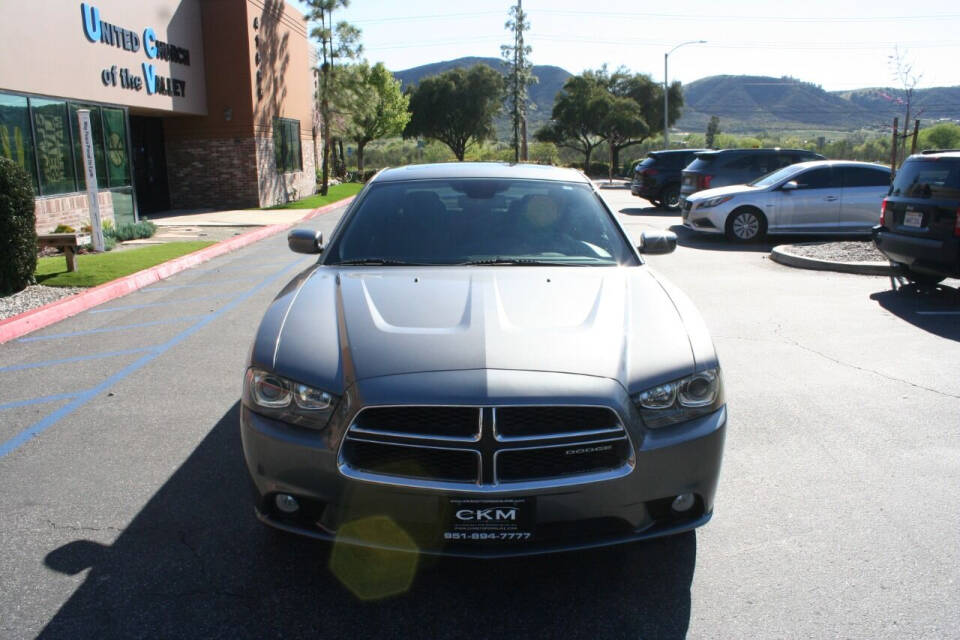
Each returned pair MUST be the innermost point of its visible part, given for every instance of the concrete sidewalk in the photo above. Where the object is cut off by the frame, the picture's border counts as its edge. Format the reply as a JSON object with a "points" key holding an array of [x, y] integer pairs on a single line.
{"points": [[227, 218]]}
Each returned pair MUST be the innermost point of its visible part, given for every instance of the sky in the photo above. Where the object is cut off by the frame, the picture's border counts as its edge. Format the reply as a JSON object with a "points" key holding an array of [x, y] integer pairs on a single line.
{"points": [[838, 44]]}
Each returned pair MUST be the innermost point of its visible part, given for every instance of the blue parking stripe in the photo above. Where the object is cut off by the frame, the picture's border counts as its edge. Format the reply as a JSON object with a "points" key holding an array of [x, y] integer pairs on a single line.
{"points": [[122, 327], [92, 356], [216, 296], [212, 283], [84, 397], [26, 403]]}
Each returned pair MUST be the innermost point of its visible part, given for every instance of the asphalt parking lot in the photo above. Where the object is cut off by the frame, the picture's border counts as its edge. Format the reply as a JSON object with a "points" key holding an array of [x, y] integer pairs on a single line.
{"points": [[126, 509]]}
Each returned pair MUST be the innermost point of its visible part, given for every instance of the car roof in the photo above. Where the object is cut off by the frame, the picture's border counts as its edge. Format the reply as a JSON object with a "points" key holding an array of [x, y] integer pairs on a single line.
{"points": [[447, 170], [934, 153], [767, 150], [838, 163], [664, 152]]}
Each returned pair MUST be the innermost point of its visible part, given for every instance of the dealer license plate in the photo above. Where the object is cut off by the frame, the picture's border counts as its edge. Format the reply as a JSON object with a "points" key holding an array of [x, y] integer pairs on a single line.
{"points": [[491, 520], [913, 219]]}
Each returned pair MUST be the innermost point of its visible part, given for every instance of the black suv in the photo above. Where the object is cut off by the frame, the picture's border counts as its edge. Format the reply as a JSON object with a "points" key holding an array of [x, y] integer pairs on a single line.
{"points": [[920, 218], [657, 178], [737, 166]]}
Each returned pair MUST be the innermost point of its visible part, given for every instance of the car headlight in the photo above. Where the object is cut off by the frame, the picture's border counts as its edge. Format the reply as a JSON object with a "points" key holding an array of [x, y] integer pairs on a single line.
{"points": [[714, 202], [680, 400], [276, 397]]}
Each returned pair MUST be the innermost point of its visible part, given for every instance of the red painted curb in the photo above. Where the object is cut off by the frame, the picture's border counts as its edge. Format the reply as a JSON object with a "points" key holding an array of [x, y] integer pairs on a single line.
{"points": [[48, 314]]}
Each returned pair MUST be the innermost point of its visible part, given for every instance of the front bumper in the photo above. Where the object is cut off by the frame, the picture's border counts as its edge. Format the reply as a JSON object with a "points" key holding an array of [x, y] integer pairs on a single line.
{"points": [[681, 459], [712, 220]]}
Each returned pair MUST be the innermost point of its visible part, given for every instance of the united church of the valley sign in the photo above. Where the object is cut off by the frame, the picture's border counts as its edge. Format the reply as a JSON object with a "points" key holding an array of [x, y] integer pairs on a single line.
{"points": [[97, 30]]}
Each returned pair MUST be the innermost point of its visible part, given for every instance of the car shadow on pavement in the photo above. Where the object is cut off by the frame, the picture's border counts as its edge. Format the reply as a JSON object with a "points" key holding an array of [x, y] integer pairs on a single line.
{"points": [[716, 242], [194, 562], [649, 211], [933, 309]]}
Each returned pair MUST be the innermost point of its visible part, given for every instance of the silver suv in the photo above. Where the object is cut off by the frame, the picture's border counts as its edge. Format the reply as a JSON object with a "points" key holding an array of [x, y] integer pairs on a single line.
{"points": [[480, 363], [712, 169]]}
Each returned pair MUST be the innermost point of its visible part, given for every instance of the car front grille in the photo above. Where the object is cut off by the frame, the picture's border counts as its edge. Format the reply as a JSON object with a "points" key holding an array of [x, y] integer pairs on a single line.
{"points": [[485, 447]]}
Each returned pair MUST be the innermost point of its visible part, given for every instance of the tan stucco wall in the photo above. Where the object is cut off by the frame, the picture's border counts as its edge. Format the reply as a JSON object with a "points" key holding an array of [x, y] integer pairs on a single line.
{"points": [[45, 51]]}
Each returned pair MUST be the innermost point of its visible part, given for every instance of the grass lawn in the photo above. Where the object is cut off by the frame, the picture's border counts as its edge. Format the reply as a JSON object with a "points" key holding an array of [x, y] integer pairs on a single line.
{"points": [[334, 193], [97, 268]]}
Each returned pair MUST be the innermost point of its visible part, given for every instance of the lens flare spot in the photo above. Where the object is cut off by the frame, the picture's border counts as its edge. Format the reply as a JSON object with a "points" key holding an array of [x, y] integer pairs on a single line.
{"points": [[372, 573]]}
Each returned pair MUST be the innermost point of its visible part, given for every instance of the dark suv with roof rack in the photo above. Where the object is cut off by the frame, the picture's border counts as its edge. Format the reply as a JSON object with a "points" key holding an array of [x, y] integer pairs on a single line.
{"points": [[920, 218], [711, 169], [657, 178]]}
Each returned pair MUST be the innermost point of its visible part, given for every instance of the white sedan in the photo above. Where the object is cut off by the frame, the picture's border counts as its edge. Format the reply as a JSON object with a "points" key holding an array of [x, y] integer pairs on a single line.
{"points": [[823, 196]]}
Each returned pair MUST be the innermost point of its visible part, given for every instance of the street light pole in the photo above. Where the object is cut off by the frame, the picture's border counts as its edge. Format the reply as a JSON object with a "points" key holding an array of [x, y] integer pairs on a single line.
{"points": [[666, 90]]}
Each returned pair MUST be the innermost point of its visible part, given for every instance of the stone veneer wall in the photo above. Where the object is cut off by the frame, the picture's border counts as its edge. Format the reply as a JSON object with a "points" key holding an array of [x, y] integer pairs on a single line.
{"points": [[71, 209], [277, 188], [218, 173]]}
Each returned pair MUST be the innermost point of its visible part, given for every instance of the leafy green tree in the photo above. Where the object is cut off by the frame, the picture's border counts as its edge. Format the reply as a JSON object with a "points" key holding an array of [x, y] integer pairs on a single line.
{"points": [[456, 107], [648, 94], [945, 135], [713, 128], [576, 117], [519, 76], [377, 108], [621, 120], [340, 41]]}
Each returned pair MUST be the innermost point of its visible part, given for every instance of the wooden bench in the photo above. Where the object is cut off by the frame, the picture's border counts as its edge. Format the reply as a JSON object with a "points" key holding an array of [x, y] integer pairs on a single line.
{"points": [[67, 241]]}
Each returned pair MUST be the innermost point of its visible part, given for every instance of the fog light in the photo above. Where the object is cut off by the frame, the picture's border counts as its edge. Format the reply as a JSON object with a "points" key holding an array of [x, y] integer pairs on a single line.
{"points": [[288, 504], [682, 502]]}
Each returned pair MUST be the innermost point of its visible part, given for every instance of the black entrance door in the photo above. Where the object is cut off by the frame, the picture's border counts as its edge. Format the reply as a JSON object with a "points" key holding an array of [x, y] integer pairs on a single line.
{"points": [[149, 164]]}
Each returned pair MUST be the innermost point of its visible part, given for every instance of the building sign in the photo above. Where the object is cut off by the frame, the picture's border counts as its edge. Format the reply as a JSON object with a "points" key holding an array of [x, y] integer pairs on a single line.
{"points": [[99, 31]]}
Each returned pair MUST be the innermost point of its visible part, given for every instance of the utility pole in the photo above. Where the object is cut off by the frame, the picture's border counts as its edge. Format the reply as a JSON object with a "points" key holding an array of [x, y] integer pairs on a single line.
{"points": [[916, 131], [666, 92], [893, 150], [325, 104]]}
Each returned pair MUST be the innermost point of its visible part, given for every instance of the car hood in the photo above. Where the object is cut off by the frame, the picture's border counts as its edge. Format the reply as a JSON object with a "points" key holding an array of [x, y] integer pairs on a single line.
{"points": [[731, 190], [342, 325]]}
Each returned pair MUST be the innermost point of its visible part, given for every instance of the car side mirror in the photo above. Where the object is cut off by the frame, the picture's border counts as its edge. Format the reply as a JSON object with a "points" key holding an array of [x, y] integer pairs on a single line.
{"points": [[789, 186], [657, 242], [305, 241]]}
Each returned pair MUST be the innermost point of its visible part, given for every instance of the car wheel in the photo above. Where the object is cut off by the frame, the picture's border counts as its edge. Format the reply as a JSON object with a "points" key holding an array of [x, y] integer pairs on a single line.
{"points": [[670, 197], [746, 225], [921, 278]]}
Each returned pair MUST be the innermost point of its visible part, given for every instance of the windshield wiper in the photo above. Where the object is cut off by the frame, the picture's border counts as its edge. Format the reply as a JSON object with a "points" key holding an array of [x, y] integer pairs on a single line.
{"points": [[380, 261], [523, 262]]}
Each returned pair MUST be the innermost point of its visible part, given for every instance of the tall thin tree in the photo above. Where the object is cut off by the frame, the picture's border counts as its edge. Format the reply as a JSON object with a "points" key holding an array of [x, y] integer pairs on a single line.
{"points": [[342, 41], [519, 77]]}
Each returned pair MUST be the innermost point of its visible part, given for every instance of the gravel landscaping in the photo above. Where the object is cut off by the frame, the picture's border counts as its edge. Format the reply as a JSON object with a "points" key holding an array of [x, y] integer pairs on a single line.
{"points": [[32, 297], [845, 251]]}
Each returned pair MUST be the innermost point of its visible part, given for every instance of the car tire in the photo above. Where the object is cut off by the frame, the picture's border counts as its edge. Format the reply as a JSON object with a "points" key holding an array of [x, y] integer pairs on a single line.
{"points": [[670, 197], [655, 203], [921, 278], [746, 224]]}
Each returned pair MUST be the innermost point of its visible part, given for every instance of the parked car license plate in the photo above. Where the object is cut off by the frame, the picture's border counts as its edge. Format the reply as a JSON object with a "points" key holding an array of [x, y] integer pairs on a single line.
{"points": [[491, 520], [913, 219]]}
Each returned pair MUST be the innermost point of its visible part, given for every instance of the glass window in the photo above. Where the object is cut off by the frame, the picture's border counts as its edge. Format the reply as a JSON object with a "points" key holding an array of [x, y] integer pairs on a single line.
{"points": [[54, 155], [934, 179], [96, 124], [744, 163], [16, 139], [458, 221], [822, 178], [286, 145], [773, 177], [865, 177], [115, 142]]}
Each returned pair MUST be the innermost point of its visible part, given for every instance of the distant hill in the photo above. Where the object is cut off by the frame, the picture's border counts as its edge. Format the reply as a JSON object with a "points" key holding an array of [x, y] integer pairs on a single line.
{"points": [[744, 104], [748, 104], [542, 94]]}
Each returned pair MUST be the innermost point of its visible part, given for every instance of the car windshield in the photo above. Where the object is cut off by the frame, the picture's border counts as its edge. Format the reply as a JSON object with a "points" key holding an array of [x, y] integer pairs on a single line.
{"points": [[773, 177], [480, 221]]}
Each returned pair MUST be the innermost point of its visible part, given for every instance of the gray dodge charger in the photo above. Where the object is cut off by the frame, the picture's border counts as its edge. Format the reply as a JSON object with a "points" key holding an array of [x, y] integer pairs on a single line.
{"points": [[481, 364]]}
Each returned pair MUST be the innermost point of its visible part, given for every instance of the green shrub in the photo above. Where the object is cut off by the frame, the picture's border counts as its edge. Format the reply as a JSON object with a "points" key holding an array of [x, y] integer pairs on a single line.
{"points": [[64, 228], [131, 230], [18, 235]]}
